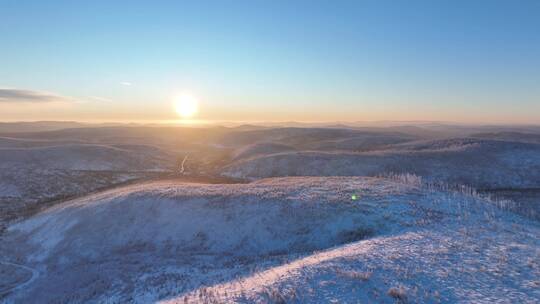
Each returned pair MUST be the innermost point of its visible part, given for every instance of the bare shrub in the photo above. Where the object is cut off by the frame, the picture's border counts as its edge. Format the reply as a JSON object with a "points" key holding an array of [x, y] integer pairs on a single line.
{"points": [[357, 275], [404, 178], [399, 293], [275, 296], [466, 190]]}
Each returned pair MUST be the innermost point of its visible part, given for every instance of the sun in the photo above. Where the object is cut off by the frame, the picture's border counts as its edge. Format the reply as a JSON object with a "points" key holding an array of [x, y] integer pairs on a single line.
{"points": [[186, 106]]}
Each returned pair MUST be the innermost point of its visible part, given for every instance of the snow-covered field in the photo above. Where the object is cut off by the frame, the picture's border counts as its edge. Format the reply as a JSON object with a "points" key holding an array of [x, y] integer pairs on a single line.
{"points": [[299, 240]]}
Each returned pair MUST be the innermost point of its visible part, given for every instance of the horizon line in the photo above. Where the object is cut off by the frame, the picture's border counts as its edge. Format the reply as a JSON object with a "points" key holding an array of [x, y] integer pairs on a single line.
{"points": [[200, 122]]}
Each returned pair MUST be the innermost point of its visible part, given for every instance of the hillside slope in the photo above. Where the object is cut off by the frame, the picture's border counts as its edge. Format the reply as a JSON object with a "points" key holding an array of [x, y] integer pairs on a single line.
{"points": [[272, 239], [80, 157], [473, 162], [48, 170]]}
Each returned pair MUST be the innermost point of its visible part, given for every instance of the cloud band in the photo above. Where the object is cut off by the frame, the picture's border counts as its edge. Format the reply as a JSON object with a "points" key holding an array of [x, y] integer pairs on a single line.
{"points": [[19, 96]]}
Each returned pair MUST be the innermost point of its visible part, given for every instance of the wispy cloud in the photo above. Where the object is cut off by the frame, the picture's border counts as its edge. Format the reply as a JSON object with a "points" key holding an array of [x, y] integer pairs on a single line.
{"points": [[126, 83], [19, 96], [100, 98]]}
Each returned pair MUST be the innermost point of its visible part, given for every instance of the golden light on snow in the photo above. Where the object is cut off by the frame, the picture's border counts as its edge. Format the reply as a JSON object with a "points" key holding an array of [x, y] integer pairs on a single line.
{"points": [[186, 105]]}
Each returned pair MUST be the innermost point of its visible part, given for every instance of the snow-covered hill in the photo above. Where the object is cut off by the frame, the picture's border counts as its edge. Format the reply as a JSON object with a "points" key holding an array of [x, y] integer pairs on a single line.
{"points": [[510, 136], [33, 172], [259, 149], [81, 157], [325, 139], [13, 142], [318, 239], [473, 162]]}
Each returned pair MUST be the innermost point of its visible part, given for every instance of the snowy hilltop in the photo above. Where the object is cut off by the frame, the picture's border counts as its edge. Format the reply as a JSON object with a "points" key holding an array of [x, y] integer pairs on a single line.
{"points": [[298, 240]]}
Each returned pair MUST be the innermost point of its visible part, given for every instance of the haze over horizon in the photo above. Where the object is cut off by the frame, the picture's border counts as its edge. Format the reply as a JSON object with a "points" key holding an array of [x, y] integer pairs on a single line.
{"points": [[308, 61]]}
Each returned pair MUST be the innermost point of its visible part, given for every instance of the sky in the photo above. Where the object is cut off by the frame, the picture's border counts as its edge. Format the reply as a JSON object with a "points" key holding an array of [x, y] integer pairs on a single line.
{"points": [[461, 61]]}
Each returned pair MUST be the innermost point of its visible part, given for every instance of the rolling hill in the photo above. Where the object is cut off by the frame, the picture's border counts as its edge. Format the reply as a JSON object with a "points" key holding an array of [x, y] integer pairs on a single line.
{"points": [[474, 162], [44, 171], [288, 239]]}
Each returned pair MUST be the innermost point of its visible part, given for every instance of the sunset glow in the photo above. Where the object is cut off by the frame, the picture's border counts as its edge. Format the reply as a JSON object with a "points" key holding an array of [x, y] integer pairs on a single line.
{"points": [[186, 106]]}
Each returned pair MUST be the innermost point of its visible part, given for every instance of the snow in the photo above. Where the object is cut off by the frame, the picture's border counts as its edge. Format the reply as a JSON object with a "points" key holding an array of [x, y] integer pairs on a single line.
{"points": [[296, 239], [289, 239], [76, 157], [258, 149], [473, 264], [34, 172], [472, 162]]}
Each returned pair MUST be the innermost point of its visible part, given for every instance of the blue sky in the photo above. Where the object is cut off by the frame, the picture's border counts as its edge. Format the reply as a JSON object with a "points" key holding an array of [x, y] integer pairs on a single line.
{"points": [[469, 61]]}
